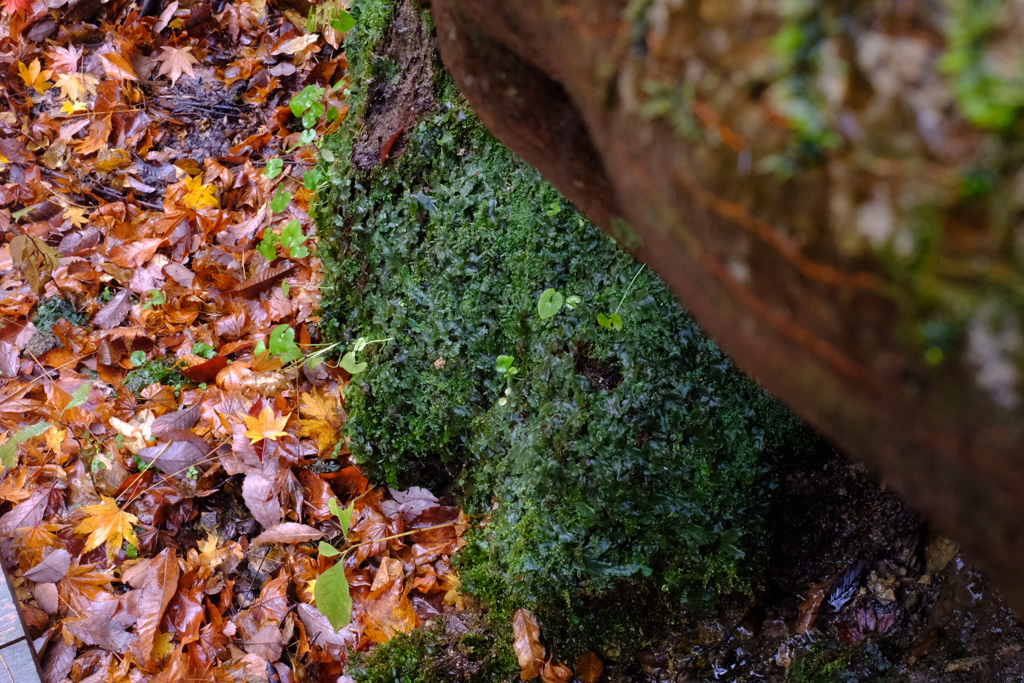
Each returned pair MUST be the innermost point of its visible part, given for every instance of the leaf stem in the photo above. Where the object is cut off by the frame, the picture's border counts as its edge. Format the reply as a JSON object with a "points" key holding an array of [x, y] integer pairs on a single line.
{"points": [[630, 287]]}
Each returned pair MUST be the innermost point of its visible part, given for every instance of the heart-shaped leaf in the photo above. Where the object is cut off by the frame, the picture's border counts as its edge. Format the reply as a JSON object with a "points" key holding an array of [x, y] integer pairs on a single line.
{"points": [[550, 303], [348, 363]]}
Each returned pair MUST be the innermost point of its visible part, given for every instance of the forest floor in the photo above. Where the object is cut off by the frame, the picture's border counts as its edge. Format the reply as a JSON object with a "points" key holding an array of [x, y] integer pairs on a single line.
{"points": [[178, 459], [171, 458]]}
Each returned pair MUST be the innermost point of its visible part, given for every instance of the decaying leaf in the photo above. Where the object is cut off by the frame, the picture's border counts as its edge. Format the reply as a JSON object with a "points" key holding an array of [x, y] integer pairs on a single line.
{"points": [[527, 645], [555, 672], [589, 667], [289, 532]]}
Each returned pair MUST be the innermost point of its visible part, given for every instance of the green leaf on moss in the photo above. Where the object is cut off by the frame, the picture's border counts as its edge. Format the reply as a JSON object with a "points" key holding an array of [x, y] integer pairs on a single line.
{"points": [[550, 303]]}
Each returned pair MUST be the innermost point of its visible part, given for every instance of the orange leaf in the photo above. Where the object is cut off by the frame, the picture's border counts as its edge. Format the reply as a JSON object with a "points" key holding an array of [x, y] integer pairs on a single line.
{"points": [[589, 667], [34, 76], [266, 426], [555, 672], [107, 523], [199, 196]]}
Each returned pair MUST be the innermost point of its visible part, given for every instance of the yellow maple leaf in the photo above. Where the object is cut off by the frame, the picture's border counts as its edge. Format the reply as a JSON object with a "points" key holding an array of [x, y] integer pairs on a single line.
{"points": [[70, 108], [199, 196], [321, 420], [35, 76], [266, 426], [76, 86], [164, 645], [76, 215], [107, 523]]}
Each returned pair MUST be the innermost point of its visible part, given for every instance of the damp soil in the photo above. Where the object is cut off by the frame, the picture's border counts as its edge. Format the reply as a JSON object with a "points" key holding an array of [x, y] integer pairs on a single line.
{"points": [[859, 589]]}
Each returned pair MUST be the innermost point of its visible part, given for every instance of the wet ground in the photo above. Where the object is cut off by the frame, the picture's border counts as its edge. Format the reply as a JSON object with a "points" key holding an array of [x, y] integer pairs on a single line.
{"points": [[860, 589]]}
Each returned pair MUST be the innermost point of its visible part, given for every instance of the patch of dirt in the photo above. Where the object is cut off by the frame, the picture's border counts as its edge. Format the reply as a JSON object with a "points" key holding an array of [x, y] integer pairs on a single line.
{"points": [[604, 375], [859, 590], [402, 91]]}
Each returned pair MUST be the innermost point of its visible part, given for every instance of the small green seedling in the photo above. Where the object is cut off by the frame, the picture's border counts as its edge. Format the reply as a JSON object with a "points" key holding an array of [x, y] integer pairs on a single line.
{"points": [[550, 303], [614, 321], [268, 246], [274, 167], [138, 358], [156, 298], [203, 349], [348, 361], [282, 344], [610, 322], [506, 368], [282, 198], [294, 240]]}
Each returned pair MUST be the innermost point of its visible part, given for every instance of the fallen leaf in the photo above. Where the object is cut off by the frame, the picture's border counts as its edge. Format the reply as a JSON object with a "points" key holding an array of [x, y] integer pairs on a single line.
{"points": [[288, 532], [527, 645], [107, 523], [589, 667], [266, 426], [199, 196], [52, 569], [555, 672], [175, 62], [152, 598], [206, 373], [34, 76], [260, 495]]}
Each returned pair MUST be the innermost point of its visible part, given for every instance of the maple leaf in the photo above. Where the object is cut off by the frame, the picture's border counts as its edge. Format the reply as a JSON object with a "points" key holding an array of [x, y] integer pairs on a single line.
{"points": [[199, 196], [19, 6], [321, 420], [266, 426], [107, 523], [64, 60], [70, 108], [175, 61], [76, 214], [34, 76], [76, 87]]}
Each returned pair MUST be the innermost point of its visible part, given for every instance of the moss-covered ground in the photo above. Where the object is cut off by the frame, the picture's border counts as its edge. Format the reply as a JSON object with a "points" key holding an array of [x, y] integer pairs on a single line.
{"points": [[620, 468]]}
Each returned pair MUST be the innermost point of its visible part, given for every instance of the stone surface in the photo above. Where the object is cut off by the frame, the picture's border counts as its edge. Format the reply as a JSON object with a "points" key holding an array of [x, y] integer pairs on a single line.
{"points": [[835, 192]]}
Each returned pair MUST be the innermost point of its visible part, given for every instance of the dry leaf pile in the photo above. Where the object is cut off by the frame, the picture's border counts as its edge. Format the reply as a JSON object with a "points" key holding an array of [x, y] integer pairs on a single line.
{"points": [[170, 535]]}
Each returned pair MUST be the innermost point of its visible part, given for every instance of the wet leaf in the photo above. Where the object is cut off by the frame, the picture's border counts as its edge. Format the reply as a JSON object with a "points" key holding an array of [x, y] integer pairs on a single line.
{"points": [[266, 426], [527, 645], [333, 597], [289, 532], [107, 523]]}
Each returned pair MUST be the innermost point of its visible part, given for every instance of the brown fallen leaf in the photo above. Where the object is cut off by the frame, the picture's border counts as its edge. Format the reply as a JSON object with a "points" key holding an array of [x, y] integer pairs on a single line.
{"points": [[288, 532], [527, 645], [589, 667], [263, 280], [555, 672]]}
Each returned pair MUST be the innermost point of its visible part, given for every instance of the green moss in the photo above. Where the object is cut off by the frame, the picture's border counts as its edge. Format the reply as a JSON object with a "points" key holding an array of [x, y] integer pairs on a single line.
{"points": [[53, 309], [628, 467], [156, 371], [471, 653], [829, 662]]}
